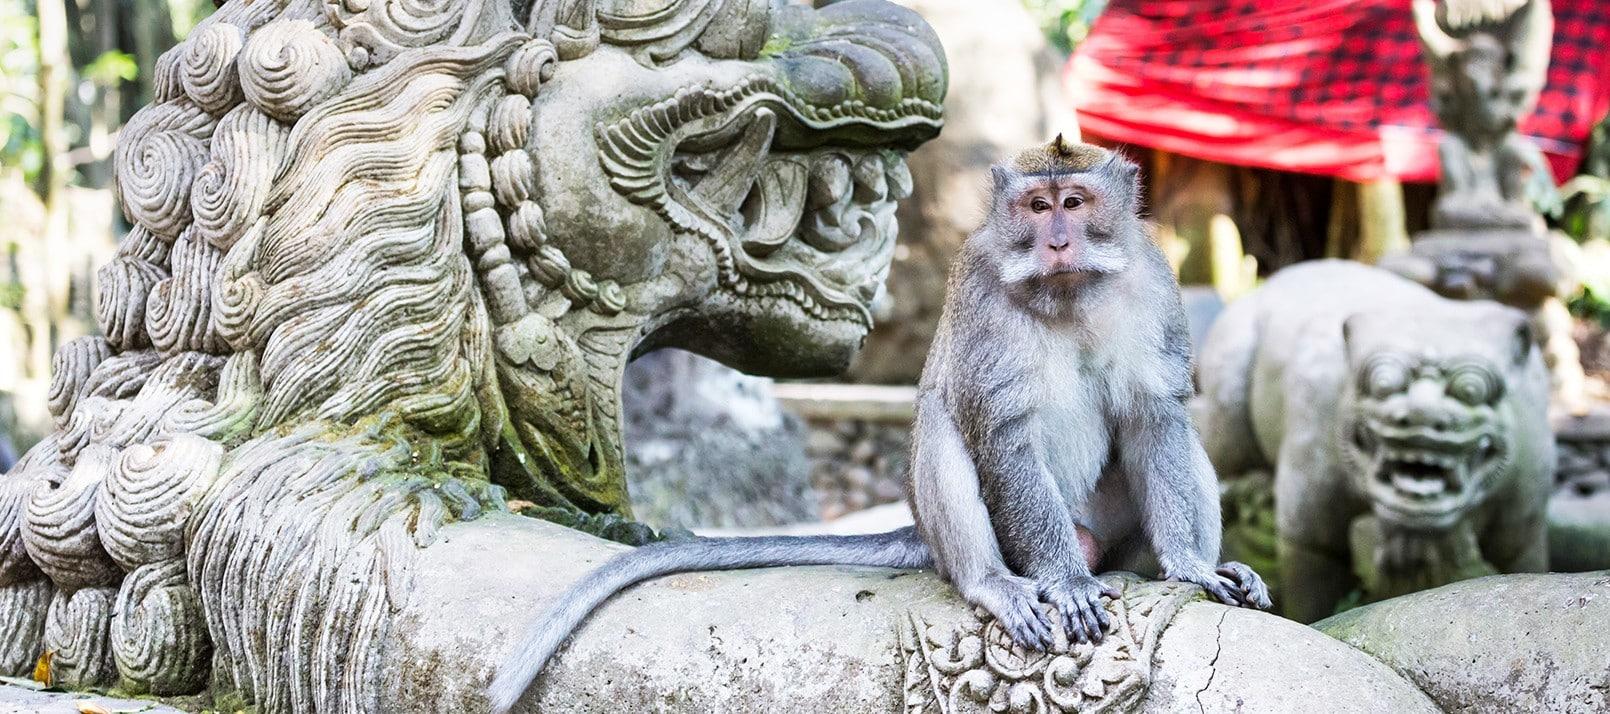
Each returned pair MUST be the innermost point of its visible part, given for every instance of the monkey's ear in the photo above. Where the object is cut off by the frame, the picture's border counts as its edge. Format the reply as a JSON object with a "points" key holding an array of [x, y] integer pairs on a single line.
{"points": [[1000, 176], [1125, 167]]}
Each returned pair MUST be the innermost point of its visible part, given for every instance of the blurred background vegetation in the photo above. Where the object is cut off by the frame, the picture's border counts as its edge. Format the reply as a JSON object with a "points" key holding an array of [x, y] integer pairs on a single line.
{"points": [[71, 73], [1066, 22]]}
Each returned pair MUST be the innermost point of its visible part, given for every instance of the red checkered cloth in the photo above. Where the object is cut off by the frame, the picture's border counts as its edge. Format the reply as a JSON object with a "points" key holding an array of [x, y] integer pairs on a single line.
{"points": [[1334, 87]]}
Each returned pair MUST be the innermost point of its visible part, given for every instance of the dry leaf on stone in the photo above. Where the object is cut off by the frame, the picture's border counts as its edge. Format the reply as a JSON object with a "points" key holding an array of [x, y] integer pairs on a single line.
{"points": [[43, 673]]}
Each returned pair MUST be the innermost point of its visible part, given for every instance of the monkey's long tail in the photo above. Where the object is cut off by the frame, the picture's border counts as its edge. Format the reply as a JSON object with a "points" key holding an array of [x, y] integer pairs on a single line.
{"points": [[901, 548]]}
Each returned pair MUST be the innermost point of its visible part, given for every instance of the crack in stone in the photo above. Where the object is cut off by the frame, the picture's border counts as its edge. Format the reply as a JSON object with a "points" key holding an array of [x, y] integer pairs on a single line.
{"points": [[1218, 649]]}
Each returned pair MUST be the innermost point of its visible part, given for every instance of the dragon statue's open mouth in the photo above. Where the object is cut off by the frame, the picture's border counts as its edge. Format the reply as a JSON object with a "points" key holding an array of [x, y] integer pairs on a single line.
{"points": [[1425, 476], [754, 166]]}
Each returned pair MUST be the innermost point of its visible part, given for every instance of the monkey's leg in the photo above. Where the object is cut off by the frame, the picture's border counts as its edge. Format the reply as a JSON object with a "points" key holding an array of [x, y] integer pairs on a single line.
{"points": [[956, 525], [1173, 484], [1033, 524]]}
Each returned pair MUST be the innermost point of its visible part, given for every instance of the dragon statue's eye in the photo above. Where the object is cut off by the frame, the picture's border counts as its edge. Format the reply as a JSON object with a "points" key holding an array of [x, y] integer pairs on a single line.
{"points": [[1474, 385], [1385, 376]]}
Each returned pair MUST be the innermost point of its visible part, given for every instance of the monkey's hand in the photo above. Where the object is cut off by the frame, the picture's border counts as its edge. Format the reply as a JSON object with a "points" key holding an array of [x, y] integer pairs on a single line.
{"points": [[1012, 601], [1232, 583], [1078, 601]]}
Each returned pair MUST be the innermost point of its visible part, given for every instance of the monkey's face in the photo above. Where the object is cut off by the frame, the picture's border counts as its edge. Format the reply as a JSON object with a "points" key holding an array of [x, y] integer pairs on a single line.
{"points": [[1060, 232], [1426, 429]]}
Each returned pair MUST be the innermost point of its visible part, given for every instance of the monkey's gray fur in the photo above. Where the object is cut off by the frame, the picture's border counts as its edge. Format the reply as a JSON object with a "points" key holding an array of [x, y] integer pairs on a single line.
{"points": [[1053, 399]]}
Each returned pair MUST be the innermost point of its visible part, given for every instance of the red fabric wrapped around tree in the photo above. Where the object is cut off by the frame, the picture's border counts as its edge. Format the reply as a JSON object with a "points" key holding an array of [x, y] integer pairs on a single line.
{"points": [[1335, 87]]}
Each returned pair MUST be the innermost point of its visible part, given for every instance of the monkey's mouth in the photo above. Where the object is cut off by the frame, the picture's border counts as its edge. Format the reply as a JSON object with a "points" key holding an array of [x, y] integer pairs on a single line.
{"points": [[1424, 477], [1066, 276]]}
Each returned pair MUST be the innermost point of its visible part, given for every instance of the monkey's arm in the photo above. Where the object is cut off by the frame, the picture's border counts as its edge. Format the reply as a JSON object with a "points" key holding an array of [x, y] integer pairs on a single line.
{"points": [[954, 521], [1032, 522], [1174, 486]]}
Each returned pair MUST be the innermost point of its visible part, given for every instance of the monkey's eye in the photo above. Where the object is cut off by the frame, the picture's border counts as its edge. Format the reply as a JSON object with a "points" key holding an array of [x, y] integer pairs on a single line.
{"points": [[1072, 202], [1040, 205], [1474, 385]]}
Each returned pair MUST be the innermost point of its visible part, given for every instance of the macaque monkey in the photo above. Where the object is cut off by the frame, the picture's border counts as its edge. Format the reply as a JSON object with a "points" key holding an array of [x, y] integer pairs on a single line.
{"points": [[1051, 432]]}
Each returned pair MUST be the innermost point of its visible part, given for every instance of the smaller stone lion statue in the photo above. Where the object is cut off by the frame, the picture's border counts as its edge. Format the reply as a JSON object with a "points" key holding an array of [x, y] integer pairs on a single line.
{"points": [[1408, 433]]}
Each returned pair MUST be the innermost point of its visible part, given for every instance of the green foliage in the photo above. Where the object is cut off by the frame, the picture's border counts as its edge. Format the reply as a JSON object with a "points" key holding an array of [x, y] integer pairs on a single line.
{"points": [[20, 145], [1065, 22], [187, 14], [1585, 217], [11, 295], [1587, 208], [112, 68]]}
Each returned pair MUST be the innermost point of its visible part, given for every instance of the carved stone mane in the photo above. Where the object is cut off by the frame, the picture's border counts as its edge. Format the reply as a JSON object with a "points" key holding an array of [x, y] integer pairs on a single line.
{"points": [[388, 261]]}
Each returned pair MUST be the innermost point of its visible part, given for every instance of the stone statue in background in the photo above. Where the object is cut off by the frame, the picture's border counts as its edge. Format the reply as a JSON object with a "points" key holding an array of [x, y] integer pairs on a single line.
{"points": [[1488, 61], [708, 446], [389, 260], [1408, 433]]}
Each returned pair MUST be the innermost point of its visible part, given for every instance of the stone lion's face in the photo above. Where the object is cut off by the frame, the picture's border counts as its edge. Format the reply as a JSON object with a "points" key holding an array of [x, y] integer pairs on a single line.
{"points": [[1429, 424], [745, 192]]}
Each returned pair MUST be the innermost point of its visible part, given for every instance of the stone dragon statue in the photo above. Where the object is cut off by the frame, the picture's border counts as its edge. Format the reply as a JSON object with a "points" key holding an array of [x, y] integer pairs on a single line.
{"points": [[388, 260]]}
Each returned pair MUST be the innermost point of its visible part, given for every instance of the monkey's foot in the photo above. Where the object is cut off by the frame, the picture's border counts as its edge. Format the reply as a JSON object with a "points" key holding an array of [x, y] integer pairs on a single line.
{"points": [[1255, 593], [1229, 583], [1015, 604], [1078, 601]]}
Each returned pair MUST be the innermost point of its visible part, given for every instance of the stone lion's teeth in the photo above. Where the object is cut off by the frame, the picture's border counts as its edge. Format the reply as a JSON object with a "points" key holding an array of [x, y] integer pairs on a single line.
{"points": [[1418, 487], [871, 184], [829, 181], [899, 176]]}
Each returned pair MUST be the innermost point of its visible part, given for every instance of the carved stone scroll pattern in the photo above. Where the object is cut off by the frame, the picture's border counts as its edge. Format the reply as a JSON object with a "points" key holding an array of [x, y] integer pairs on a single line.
{"points": [[974, 666]]}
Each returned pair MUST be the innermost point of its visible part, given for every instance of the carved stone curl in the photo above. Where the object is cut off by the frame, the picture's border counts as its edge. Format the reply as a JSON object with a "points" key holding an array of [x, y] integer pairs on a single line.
{"points": [[976, 667]]}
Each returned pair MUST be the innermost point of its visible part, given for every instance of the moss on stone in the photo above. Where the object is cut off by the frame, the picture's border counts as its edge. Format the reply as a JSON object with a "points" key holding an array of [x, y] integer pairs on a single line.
{"points": [[608, 526]]}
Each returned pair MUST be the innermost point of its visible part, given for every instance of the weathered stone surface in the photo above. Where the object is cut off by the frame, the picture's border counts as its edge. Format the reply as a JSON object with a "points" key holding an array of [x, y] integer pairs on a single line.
{"points": [[1499, 644], [1218, 659], [22, 700], [853, 640]]}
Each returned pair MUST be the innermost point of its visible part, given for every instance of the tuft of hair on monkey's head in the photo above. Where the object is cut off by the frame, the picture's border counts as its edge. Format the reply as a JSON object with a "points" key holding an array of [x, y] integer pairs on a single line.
{"points": [[1062, 214], [1059, 156]]}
